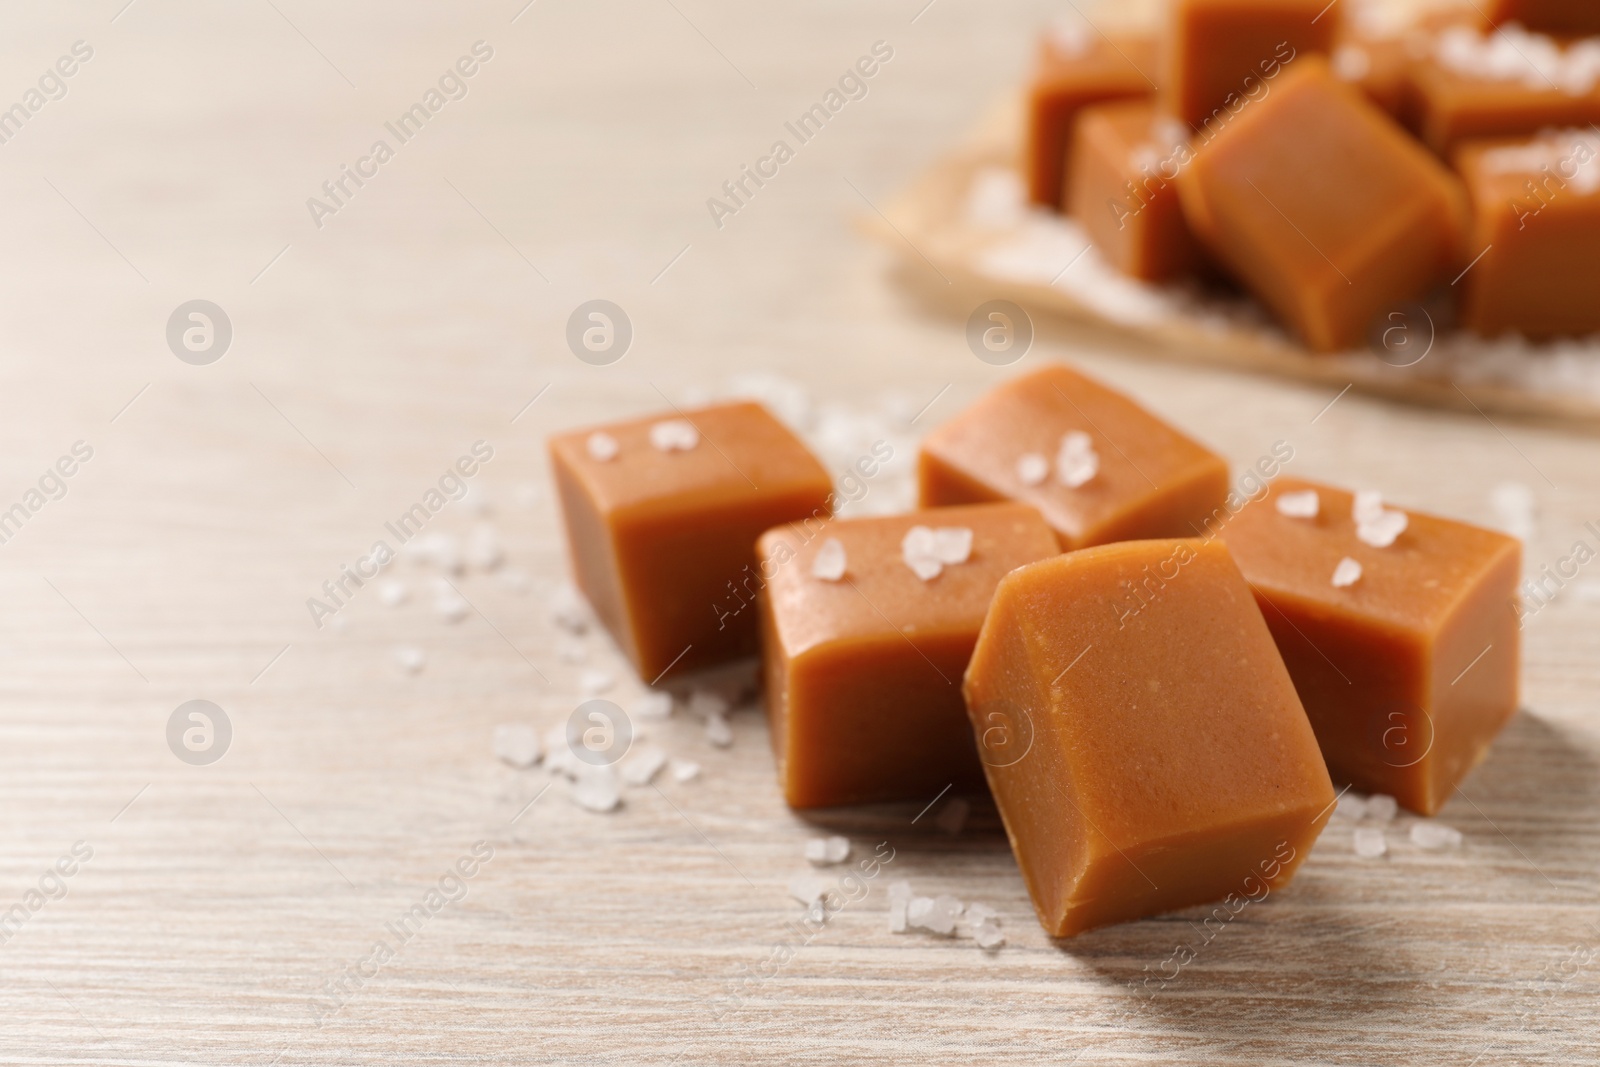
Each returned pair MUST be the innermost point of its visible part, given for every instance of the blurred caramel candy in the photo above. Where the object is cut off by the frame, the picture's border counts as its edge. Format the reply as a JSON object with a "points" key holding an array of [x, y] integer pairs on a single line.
{"points": [[1221, 53], [1324, 207], [662, 516], [1077, 66], [1124, 160], [1140, 734], [1573, 18], [863, 654], [1536, 216], [1097, 466], [1409, 670]]}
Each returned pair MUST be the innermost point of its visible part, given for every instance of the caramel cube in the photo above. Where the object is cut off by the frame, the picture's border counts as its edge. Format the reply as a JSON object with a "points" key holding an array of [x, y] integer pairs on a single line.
{"points": [[1406, 655], [1536, 216], [1571, 18], [662, 516], [1077, 66], [1097, 465], [1124, 159], [1323, 207], [863, 652], [1140, 734], [1378, 66], [1472, 85], [1221, 52]]}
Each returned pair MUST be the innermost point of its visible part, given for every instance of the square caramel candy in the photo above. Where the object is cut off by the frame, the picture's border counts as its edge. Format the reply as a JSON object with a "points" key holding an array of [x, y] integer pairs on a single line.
{"points": [[1125, 157], [1077, 66], [867, 625], [1400, 630], [1471, 84], [1140, 734], [1376, 64], [1097, 465], [1222, 54], [662, 516], [1570, 18], [1536, 214], [1323, 207]]}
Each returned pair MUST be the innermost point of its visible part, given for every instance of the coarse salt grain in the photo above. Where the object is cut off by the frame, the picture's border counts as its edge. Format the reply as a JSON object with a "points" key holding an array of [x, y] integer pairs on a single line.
{"points": [[1434, 835], [1351, 62], [685, 770], [448, 604], [900, 890], [596, 788], [808, 888], [1369, 843], [602, 447], [1032, 468], [392, 593], [952, 544], [1348, 572], [718, 732], [483, 548], [1382, 808], [928, 551], [643, 764], [569, 650], [829, 563], [516, 744], [988, 936], [674, 435], [1350, 807], [823, 851], [569, 610], [897, 916], [1367, 504], [654, 704], [937, 915], [1513, 504], [1077, 462], [594, 681], [1380, 530], [705, 703], [1304, 505], [437, 549], [409, 659]]}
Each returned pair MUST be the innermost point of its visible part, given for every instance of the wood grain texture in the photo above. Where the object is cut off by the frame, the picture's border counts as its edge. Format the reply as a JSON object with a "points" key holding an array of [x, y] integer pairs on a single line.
{"points": [[219, 901]]}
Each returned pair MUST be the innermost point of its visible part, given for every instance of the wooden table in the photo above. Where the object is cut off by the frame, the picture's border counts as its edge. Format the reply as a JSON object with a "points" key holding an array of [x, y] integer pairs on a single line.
{"points": [[210, 907]]}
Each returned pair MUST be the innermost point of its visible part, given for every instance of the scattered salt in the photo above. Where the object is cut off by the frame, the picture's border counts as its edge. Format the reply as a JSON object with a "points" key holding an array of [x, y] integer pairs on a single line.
{"points": [[653, 704], [594, 681], [1348, 572], [937, 915], [705, 703], [718, 732], [817, 913], [996, 199], [900, 890], [596, 788], [436, 549], [516, 744], [685, 770], [569, 610], [1304, 505], [483, 548], [1077, 462], [1380, 530], [823, 851], [569, 650], [928, 551], [643, 764], [391, 593], [1369, 842], [977, 913], [808, 888], [1382, 808], [1434, 835], [988, 936], [409, 659], [674, 435], [1351, 62], [829, 563], [449, 604], [952, 544], [603, 448], [1032, 468], [1513, 504], [897, 916], [1350, 807], [1367, 504]]}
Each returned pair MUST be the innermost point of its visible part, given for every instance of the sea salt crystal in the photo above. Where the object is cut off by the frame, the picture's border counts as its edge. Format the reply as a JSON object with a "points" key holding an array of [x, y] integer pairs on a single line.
{"points": [[596, 788], [808, 888], [1348, 572], [1032, 468], [1513, 504], [449, 604], [1077, 462], [594, 681], [558, 755], [823, 851], [817, 913], [569, 610], [1381, 807], [897, 916], [996, 200], [718, 732], [829, 562], [674, 435], [928, 551], [937, 915], [409, 659], [988, 936], [1434, 835], [653, 704], [1302, 505], [569, 650], [900, 890], [705, 703], [643, 764], [952, 544], [685, 770], [1369, 842], [391, 593], [925, 567], [1366, 505], [436, 549], [1350, 807], [602, 447], [1380, 530], [516, 744], [483, 548], [977, 913], [1351, 62]]}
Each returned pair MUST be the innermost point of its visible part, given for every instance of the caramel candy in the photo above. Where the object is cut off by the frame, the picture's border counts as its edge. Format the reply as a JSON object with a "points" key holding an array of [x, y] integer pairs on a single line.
{"points": [[1573, 18], [1077, 66], [1141, 737], [1097, 466], [662, 516], [1124, 159], [1469, 84], [1324, 207], [1220, 53], [1406, 655], [866, 628], [1378, 66], [1536, 216]]}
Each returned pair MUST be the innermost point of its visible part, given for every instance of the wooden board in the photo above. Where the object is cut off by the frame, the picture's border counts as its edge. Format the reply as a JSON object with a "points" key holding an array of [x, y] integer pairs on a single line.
{"points": [[370, 354]]}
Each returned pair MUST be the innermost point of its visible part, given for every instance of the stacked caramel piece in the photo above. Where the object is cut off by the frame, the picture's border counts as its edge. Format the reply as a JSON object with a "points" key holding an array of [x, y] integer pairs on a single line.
{"points": [[1336, 169], [1152, 667]]}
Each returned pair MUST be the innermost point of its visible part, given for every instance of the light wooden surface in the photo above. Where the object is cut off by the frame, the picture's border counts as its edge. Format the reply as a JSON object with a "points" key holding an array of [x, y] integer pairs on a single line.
{"points": [[220, 900]]}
